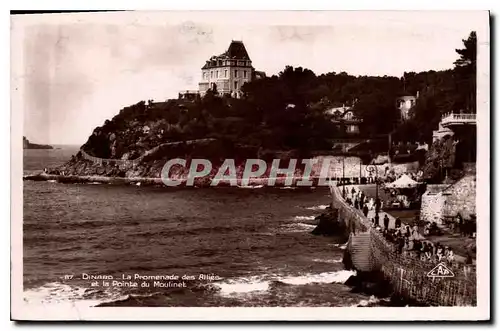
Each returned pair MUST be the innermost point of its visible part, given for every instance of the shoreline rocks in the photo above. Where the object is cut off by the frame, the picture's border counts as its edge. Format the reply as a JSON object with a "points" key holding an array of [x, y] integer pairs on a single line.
{"points": [[328, 223]]}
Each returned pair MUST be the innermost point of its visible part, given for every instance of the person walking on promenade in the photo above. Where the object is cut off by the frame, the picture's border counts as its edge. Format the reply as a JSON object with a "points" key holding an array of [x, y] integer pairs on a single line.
{"points": [[397, 223], [356, 203], [386, 222], [401, 244], [461, 225], [377, 205], [428, 252], [423, 249], [439, 252], [451, 256], [365, 210], [415, 231]]}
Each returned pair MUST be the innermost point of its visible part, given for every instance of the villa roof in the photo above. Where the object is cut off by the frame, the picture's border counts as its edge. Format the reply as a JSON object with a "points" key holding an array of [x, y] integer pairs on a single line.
{"points": [[237, 50]]}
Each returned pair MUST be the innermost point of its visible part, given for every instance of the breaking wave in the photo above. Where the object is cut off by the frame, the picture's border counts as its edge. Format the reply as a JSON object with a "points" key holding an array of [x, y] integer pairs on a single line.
{"points": [[251, 186], [304, 218], [298, 227], [328, 260], [262, 284], [320, 207], [67, 296], [340, 246], [372, 301]]}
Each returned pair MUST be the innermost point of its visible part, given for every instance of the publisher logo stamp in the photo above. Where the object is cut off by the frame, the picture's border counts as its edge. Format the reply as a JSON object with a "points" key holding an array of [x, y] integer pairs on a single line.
{"points": [[441, 271]]}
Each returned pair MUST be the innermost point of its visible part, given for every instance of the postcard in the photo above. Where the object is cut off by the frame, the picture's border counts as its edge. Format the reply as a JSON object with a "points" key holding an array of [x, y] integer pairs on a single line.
{"points": [[250, 166]]}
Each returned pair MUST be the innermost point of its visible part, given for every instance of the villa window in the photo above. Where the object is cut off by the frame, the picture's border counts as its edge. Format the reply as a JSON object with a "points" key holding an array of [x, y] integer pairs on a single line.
{"points": [[236, 74], [217, 74], [235, 85], [225, 73], [211, 74], [245, 73]]}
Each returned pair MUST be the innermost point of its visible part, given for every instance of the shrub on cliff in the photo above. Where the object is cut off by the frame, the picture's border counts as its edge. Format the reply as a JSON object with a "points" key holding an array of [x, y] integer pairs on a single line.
{"points": [[440, 157]]}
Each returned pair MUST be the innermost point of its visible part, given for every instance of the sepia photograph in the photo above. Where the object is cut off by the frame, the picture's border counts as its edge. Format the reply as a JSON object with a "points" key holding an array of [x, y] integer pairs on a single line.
{"points": [[270, 165]]}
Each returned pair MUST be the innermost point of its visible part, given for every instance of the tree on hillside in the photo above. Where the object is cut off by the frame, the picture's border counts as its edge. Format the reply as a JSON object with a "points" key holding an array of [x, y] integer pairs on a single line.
{"points": [[465, 68], [378, 111]]}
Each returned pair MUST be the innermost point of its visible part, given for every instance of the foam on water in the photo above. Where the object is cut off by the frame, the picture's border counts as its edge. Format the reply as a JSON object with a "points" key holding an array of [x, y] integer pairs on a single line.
{"points": [[320, 207], [252, 186], [363, 303], [65, 296], [298, 227], [260, 284], [243, 285], [304, 218], [341, 246], [325, 277], [328, 260]]}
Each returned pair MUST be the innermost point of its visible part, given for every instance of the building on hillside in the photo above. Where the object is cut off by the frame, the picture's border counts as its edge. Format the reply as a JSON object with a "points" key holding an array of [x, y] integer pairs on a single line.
{"points": [[189, 95], [441, 132], [226, 73], [405, 103], [345, 119]]}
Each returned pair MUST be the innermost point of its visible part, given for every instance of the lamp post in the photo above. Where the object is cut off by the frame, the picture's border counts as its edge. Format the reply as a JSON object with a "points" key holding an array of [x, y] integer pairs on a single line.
{"points": [[343, 175], [360, 162], [371, 168]]}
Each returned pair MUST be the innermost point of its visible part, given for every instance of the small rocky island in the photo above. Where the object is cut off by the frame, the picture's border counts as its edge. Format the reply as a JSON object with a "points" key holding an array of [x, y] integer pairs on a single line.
{"points": [[28, 145]]}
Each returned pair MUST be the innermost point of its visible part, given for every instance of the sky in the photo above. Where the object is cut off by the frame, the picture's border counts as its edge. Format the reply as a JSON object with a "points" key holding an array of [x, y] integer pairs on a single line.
{"points": [[71, 72]]}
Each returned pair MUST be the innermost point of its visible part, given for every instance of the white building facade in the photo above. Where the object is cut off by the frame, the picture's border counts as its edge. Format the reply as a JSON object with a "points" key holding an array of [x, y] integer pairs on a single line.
{"points": [[226, 73]]}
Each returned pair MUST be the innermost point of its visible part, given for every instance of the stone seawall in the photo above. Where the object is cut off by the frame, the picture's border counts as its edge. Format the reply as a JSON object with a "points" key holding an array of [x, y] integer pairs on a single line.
{"points": [[407, 275]]}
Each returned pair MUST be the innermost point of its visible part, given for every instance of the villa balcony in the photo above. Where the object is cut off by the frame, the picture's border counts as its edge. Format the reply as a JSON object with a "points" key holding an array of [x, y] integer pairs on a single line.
{"points": [[458, 119]]}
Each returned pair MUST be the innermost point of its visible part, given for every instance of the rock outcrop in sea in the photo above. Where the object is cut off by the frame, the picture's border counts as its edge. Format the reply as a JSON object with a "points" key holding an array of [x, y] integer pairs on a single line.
{"points": [[29, 145]]}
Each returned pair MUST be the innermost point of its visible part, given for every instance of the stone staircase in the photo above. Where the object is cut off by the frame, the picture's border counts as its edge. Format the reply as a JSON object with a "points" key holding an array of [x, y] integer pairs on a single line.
{"points": [[359, 247]]}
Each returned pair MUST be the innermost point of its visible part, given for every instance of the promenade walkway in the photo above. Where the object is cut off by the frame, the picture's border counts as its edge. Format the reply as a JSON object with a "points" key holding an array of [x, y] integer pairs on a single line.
{"points": [[136, 161], [371, 212], [444, 239]]}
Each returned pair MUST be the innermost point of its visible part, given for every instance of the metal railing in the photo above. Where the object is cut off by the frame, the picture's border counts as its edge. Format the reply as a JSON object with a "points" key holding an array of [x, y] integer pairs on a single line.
{"points": [[461, 118]]}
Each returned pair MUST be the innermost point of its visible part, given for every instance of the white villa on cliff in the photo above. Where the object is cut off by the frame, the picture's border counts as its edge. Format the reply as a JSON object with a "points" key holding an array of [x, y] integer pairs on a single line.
{"points": [[226, 73]]}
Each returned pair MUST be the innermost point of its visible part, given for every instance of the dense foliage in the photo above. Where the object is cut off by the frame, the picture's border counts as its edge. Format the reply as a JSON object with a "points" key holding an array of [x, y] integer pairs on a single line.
{"points": [[287, 111], [441, 92]]}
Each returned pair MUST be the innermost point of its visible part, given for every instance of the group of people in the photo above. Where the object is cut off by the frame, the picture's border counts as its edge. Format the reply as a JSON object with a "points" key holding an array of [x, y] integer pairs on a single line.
{"points": [[359, 200], [409, 242], [407, 239], [466, 227]]}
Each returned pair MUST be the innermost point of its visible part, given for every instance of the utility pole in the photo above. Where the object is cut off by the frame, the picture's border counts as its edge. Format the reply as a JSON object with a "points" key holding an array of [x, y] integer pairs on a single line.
{"points": [[343, 171], [389, 147], [371, 168], [360, 161]]}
